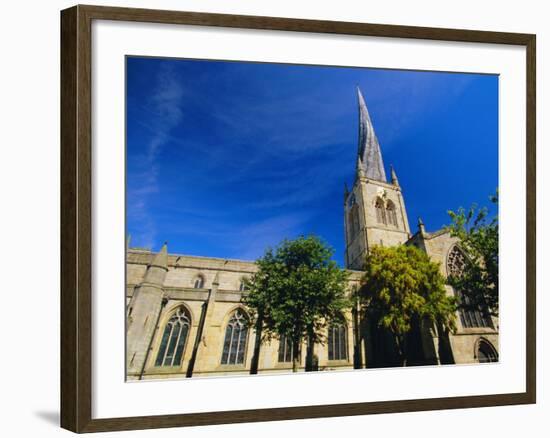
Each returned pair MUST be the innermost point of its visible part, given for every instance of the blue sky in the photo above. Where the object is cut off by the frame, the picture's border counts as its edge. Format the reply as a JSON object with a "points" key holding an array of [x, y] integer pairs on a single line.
{"points": [[227, 158]]}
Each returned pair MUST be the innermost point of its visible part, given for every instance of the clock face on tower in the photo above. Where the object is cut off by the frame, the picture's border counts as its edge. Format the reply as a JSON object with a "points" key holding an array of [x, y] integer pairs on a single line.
{"points": [[381, 192]]}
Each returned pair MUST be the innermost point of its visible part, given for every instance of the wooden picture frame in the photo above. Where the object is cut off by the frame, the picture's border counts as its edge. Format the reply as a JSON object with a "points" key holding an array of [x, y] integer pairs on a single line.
{"points": [[76, 218]]}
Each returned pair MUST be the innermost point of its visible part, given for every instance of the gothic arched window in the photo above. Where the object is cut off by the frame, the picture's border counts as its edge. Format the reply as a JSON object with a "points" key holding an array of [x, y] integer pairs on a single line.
{"points": [[456, 261], [354, 221], [236, 334], [486, 352], [380, 211], [337, 342], [285, 349], [391, 214], [199, 282], [242, 285], [173, 339], [469, 317]]}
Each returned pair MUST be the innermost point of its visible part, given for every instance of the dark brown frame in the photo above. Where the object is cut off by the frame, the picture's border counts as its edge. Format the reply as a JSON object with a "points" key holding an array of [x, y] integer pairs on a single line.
{"points": [[76, 236]]}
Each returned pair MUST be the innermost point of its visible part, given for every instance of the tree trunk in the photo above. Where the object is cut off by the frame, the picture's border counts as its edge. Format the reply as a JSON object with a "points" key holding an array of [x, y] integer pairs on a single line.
{"points": [[295, 355], [310, 349], [257, 345], [357, 352], [401, 342]]}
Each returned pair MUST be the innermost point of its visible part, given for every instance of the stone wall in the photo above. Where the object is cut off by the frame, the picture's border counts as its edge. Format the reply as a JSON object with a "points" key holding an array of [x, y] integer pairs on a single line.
{"points": [[221, 294], [215, 302]]}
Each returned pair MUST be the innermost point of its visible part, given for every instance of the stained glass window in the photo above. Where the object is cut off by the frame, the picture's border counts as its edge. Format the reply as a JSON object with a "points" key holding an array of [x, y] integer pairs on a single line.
{"points": [[236, 333], [337, 342], [456, 262], [486, 352], [173, 339], [285, 349]]}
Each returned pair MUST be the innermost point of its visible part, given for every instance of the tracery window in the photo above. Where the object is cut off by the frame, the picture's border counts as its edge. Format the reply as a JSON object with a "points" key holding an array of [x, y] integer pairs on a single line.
{"points": [[337, 342], [173, 339], [285, 349], [456, 262], [236, 334], [354, 221], [486, 352], [391, 214], [380, 211], [199, 282]]}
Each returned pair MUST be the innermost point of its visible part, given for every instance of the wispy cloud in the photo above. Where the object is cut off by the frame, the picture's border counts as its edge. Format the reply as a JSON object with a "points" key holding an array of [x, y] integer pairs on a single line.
{"points": [[301, 188], [242, 241], [257, 237], [165, 107]]}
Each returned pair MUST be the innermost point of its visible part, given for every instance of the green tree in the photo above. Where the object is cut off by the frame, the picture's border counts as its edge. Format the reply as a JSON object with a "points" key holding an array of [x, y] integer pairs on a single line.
{"points": [[402, 287], [295, 293], [478, 279]]}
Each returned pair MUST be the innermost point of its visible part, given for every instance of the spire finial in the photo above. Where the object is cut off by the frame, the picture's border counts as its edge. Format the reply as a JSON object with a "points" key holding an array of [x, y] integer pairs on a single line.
{"points": [[421, 226], [369, 149], [161, 258], [394, 179]]}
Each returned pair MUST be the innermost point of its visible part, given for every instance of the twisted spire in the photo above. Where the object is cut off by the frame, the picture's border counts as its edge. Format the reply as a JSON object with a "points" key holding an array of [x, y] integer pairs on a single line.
{"points": [[370, 155]]}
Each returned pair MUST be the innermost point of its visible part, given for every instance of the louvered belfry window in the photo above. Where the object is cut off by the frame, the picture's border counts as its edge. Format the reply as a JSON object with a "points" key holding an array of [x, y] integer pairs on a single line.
{"points": [[380, 211]]}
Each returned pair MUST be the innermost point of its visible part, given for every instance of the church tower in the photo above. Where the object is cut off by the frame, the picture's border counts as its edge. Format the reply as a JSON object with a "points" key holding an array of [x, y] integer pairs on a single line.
{"points": [[374, 209]]}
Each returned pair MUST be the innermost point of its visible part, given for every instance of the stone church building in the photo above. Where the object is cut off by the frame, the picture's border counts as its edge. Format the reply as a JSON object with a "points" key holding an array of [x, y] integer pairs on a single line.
{"points": [[185, 317]]}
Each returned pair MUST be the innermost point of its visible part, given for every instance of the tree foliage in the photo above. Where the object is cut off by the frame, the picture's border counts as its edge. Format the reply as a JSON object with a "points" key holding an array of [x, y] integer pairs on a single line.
{"points": [[478, 235], [401, 285], [297, 291]]}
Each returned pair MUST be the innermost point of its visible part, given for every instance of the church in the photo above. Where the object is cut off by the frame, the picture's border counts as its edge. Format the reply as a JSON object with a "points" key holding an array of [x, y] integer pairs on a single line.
{"points": [[185, 315]]}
